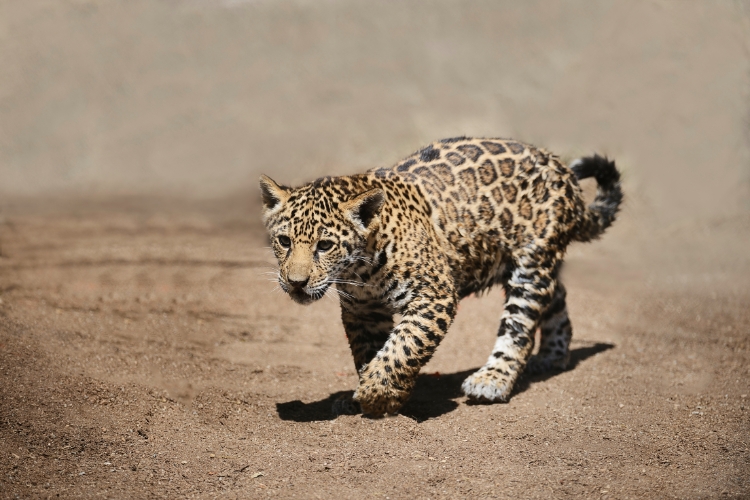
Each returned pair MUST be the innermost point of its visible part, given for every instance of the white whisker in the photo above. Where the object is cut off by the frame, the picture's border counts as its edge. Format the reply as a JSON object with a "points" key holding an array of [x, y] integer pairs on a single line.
{"points": [[348, 282], [344, 294], [331, 295]]}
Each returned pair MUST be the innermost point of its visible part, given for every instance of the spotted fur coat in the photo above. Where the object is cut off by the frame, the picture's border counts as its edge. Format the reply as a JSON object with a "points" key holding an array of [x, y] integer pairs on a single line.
{"points": [[408, 242]]}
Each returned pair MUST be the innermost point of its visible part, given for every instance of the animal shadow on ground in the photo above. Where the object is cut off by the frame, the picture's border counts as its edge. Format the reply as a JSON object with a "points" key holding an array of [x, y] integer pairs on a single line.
{"points": [[434, 394]]}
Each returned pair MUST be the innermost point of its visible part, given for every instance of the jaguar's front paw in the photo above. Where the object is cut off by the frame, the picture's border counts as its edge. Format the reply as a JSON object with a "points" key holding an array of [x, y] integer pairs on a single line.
{"points": [[489, 385], [380, 393]]}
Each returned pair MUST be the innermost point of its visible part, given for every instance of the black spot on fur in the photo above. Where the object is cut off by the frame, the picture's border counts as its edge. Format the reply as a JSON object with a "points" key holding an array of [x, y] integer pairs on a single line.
{"points": [[515, 147], [507, 167], [497, 194], [429, 154], [493, 147], [486, 212], [405, 166], [487, 173], [455, 158], [471, 151], [469, 179], [510, 192], [382, 258], [430, 175], [506, 220]]}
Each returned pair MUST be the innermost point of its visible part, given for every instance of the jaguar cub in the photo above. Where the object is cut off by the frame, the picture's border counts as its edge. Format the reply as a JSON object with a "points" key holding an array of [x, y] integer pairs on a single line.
{"points": [[455, 218]]}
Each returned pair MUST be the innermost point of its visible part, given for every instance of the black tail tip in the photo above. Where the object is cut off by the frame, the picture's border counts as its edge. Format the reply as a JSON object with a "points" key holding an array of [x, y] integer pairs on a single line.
{"points": [[600, 167]]}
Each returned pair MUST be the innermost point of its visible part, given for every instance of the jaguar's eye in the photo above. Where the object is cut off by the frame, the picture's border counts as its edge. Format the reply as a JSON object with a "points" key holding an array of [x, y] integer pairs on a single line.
{"points": [[284, 241], [324, 245]]}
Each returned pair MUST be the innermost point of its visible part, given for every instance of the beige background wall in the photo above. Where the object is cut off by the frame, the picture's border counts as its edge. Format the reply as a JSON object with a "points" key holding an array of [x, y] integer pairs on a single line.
{"points": [[196, 98]]}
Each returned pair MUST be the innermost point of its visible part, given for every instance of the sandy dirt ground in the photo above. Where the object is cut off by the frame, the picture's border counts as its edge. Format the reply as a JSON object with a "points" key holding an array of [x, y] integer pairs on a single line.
{"points": [[144, 353]]}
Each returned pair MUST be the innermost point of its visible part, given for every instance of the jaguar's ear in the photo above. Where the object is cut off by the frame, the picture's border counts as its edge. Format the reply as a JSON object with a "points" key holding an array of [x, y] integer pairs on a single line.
{"points": [[273, 195], [363, 210]]}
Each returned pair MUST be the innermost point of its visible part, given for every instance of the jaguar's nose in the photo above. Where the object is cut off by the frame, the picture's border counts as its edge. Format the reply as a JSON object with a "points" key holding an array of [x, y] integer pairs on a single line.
{"points": [[298, 284]]}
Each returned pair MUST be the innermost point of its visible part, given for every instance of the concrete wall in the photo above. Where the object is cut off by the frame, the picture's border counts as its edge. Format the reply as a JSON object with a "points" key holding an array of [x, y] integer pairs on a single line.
{"points": [[196, 98]]}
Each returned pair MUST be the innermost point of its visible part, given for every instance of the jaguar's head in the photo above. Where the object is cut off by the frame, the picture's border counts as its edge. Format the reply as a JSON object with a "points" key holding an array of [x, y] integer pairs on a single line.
{"points": [[317, 231]]}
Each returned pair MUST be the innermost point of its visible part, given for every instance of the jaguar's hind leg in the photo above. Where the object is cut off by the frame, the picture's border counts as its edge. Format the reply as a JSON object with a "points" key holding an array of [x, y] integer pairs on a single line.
{"points": [[528, 293], [556, 334]]}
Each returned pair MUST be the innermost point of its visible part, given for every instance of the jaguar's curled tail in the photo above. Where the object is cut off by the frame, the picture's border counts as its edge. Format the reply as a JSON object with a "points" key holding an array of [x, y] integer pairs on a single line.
{"points": [[603, 210]]}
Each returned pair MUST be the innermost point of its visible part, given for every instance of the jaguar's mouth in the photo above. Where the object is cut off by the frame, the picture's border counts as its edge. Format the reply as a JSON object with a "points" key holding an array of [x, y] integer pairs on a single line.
{"points": [[300, 296], [304, 297]]}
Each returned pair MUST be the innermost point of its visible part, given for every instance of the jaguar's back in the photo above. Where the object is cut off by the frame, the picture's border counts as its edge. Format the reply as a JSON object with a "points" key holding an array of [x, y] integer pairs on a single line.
{"points": [[488, 197]]}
